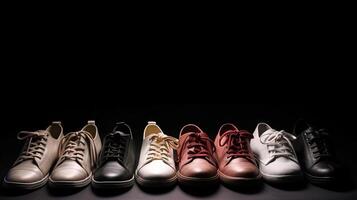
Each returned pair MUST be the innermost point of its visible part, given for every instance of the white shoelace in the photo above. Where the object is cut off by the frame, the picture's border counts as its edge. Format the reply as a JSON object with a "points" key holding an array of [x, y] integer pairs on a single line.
{"points": [[278, 144]]}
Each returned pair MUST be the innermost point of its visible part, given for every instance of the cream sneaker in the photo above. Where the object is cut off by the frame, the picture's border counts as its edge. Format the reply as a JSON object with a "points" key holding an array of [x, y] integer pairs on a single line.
{"points": [[78, 155], [156, 166], [40, 153]]}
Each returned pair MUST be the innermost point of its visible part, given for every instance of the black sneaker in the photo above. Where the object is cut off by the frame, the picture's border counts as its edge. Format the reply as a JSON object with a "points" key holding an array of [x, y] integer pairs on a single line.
{"points": [[117, 160], [314, 153]]}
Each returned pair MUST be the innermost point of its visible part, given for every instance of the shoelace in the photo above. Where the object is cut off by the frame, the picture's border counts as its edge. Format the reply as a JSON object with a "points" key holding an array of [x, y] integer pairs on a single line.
{"points": [[36, 144], [317, 142], [159, 148], [237, 144], [115, 146], [279, 144], [197, 143], [72, 147]]}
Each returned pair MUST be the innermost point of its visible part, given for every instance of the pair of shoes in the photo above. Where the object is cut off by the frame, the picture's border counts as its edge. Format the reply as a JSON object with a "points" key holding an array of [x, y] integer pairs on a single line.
{"points": [[72, 157], [229, 158], [280, 154]]}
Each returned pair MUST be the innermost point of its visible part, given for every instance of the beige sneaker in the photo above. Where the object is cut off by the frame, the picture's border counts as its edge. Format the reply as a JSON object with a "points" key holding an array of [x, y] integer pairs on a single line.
{"points": [[31, 169], [78, 155], [156, 166]]}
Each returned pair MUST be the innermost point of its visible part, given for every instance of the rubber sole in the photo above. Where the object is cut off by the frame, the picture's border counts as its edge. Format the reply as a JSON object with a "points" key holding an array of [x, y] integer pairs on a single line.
{"points": [[26, 186], [112, 184], [155, 183], [319, 180], [282, 178], [200, 182], [70, 184], [230, 180]]}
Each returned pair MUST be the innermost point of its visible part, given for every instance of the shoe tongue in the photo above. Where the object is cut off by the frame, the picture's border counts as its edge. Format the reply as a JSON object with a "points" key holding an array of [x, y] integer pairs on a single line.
{"points": [[183, 136], [118, 136], [122, 134], [161, 134], [268, 131], [153, 135], [79, 140], [267, 135], [192, 136], [197, 133], [309, 129]]}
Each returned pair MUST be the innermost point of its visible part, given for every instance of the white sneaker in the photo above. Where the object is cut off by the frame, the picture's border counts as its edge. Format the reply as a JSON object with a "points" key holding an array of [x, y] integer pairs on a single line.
{"points": [[275, 154], [156, 166]]}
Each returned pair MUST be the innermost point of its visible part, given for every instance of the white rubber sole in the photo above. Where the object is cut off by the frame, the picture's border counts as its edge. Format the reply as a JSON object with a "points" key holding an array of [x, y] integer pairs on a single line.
{"points": [[70, 184], [155, 183], [282, 178], [112, 184], [26, 186]]}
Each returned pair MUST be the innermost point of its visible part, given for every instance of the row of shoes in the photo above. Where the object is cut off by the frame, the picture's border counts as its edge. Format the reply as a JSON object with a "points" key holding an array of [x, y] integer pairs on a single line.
{"points": [[235, 157]]}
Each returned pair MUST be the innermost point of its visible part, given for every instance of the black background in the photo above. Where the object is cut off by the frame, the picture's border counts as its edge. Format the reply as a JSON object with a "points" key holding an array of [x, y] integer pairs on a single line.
{"points": [[33, 115]]}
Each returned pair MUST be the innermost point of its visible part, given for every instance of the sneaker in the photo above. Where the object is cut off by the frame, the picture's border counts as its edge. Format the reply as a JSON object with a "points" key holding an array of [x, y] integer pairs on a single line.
{"points": [[78, 156], [197, 165], [117, 159], [156, 166], [235, 158], [314, 153], [32, 167], [275, 154]]}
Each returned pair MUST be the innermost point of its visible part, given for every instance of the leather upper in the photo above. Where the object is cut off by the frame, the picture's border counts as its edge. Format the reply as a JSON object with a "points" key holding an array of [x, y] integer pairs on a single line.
{"points": [[274, 151], [78, 155], [157, 154], [313, 149], [38, 155], [234, 155], [196, 153], [117, 159]]}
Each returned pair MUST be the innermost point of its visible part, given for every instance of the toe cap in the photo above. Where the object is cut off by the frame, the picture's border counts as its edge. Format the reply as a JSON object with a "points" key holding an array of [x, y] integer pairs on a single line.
{"points": [[240, 168], [156, 170], [24, 175], [199, 168], [112, 171]]}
